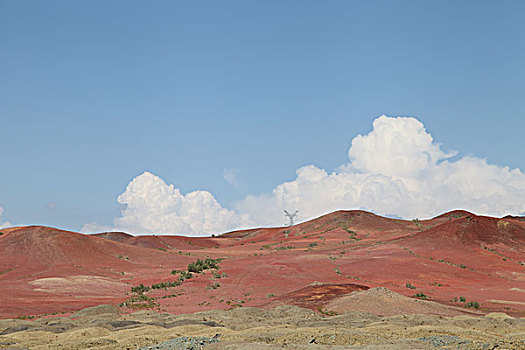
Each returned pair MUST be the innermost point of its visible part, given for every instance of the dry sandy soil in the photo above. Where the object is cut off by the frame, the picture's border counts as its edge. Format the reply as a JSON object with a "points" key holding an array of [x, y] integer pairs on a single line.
{"points": [[289, 327]]}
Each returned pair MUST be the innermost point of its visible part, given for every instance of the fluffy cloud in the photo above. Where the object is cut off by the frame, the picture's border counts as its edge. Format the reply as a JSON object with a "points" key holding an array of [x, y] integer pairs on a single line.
{"points": [[149, 205], [3, 224], [396, 169]]}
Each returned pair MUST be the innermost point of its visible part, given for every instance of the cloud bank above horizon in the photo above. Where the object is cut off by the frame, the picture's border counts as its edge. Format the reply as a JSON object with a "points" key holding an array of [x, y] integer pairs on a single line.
{"points": [[396, 170]]}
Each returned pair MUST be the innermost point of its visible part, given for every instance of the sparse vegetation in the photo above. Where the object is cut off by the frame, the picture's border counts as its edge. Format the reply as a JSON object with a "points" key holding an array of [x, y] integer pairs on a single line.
{"points": [[201, 265], [166, 285], [326, 312], [451, 263], [285, 248], [267, 246], [140, 300], [504, 258], [6, 271], [354, 278], [472, 304], [420, 296], [140, 289], [214, 285], [410, 286], [25, 317], [184, 275]]}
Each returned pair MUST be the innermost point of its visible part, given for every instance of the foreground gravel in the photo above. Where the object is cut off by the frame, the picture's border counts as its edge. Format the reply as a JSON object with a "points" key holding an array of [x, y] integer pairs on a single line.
{"points": [[284, 327]]}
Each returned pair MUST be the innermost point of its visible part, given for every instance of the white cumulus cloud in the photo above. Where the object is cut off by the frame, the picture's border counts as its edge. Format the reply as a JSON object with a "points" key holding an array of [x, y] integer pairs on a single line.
{"points": [[149, 205], [5, 223], [396, 169]]}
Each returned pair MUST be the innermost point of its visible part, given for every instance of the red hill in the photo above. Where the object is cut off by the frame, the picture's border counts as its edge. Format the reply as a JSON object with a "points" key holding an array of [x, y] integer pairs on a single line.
{"points": [[457, 254]]}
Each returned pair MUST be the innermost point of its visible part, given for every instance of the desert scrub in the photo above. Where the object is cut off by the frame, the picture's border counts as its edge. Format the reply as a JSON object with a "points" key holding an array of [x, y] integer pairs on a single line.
{"points": [[472, 304], [410, 286], [6, 271], [214, 286], [27, 317], [140, 301], [140, 289], [185, 275], [201, 265], [326, 312], [166, 285], [420, 296], [285, 248]]}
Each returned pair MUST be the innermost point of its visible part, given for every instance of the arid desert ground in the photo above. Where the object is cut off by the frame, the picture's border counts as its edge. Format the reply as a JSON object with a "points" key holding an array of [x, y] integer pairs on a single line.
{"points": [[349, 279]]}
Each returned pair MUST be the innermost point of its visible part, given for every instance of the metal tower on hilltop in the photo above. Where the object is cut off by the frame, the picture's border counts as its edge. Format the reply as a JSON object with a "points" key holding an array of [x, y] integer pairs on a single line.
{"points": [[291, 216]]}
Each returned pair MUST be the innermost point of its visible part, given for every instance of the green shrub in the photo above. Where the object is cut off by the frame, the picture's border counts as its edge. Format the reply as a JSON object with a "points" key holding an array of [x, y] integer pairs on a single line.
{"points": [[472, 304], [140, 289], [201, 265], [285, 248], [165, 285], [410, 286], [421, 296], [185, 275], [462, 299], [214, 286]]}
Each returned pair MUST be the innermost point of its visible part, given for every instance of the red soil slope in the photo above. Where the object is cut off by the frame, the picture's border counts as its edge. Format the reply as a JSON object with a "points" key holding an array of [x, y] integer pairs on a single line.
{"points": [[458, 254]]}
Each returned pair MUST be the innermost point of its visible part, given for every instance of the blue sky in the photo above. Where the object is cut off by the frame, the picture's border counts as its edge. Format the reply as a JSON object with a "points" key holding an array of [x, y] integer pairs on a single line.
{"points": [[94, 93]]}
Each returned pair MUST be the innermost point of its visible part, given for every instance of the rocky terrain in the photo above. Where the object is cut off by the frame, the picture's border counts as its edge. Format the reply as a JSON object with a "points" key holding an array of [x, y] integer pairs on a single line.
{"points": [[287, 327]]}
